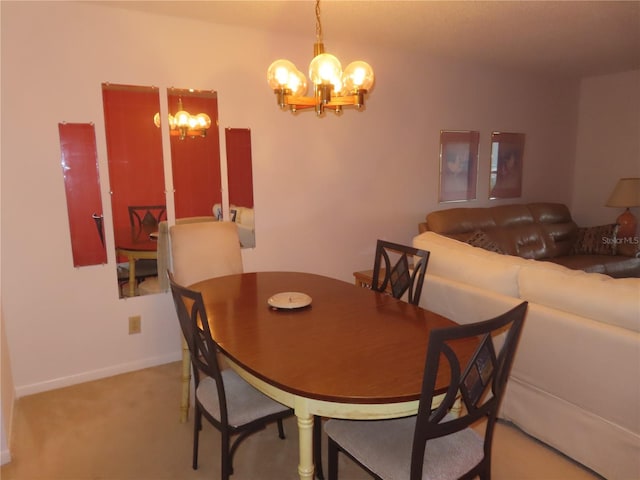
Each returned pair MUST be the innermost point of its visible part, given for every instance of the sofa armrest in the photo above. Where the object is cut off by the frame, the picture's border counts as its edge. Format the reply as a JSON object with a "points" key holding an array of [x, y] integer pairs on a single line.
{"points": [[629, 249]]}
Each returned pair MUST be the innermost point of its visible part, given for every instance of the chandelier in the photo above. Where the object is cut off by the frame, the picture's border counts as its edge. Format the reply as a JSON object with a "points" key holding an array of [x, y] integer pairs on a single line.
{"points": [[183, 124], [333, 88]]}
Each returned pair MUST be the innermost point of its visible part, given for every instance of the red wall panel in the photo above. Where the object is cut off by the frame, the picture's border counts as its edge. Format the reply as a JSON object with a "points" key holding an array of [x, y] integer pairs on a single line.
{"points": [[82, 187]]}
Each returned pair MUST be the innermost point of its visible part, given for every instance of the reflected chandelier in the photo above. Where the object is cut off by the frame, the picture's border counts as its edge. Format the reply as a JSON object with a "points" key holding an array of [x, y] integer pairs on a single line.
{"points": [[333, 88], [183, 124]]}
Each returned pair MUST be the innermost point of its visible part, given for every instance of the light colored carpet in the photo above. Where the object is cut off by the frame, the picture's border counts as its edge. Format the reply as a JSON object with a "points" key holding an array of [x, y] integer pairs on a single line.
{"points": [[126, 428]]}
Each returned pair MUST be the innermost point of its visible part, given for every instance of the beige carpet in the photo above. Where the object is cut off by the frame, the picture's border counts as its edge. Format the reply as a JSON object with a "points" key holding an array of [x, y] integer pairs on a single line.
{"points": [[126, 428]]}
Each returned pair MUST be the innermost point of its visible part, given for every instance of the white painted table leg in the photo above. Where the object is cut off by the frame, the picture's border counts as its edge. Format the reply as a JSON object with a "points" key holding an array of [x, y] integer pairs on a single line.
{"points": [[305, 432], [186, 382]]}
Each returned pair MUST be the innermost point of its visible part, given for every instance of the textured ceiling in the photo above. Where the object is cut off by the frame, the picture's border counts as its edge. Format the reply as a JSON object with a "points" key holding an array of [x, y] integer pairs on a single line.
{"points": [[566, 38]]}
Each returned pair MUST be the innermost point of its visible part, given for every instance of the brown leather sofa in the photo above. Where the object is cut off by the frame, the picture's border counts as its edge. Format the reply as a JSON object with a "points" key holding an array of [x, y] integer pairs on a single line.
{"points": [[539, 231]]}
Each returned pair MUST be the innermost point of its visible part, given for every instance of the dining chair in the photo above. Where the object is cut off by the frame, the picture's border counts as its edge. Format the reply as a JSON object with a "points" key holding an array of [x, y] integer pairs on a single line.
{"points": [[160, 283], [405, 274], [439, 443], [229, 403], [144, 220], [201, 250]]}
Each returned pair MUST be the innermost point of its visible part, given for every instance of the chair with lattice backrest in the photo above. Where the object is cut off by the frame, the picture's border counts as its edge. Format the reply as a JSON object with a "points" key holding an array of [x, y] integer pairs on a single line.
{"points": [[144, 220], [229, 403], [439, 443], [406, 274], [201, 250]]}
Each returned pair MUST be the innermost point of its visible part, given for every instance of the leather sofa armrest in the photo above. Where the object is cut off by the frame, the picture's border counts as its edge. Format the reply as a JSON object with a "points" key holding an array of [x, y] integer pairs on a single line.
{"points": [[629, 249]]}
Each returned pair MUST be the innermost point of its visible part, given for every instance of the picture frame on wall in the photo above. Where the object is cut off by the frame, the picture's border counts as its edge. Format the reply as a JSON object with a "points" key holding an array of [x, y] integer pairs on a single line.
{"points": [[507, 155], [458, 165]]}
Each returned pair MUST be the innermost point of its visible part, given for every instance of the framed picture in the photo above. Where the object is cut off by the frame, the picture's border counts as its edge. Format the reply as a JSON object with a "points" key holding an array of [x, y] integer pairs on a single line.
{"points": [[458, 165], [507, 153]]}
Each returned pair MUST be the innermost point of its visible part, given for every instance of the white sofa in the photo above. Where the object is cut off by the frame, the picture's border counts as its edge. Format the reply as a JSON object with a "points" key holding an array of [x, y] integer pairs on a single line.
{"points": [[243, 216], [575, 383]]}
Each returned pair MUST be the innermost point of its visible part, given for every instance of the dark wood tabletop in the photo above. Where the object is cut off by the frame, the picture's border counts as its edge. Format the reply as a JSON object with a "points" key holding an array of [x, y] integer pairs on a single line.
{"points": [[350, 345]]}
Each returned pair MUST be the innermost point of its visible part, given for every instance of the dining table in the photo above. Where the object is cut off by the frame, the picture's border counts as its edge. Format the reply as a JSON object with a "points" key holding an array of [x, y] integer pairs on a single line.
{"points": [[323, 346], [137, 249]]}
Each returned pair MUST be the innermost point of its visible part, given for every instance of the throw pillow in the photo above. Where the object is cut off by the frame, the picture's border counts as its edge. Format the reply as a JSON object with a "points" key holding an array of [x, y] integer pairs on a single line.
{"points": [[482, 240], [599, 240]]}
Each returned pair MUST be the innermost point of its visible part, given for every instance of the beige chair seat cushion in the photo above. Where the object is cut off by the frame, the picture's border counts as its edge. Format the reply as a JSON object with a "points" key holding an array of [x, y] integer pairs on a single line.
{"points": [[244, 403], [384, 446]]}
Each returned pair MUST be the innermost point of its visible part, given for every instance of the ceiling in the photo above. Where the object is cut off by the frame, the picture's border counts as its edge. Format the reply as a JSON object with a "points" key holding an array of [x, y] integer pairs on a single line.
{"points": [[564, 38]]}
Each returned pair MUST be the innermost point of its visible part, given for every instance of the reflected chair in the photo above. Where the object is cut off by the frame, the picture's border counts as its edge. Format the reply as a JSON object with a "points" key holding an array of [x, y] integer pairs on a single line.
{"points": [[229, 403], [144, 220], [199, 251], [99, 221], [160, 283], [404, 275], [438, 443]]}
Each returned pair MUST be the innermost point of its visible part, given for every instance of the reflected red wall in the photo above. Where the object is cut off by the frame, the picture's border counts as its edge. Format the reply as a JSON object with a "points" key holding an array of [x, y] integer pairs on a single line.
{"points": [[239, 173], [134, 149], [196, 161], [82, 187]]}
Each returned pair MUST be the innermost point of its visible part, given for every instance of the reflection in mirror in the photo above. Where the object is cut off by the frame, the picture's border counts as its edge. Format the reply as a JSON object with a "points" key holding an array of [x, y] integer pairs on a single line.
{"points": [[195, 153], [136, 176], [507, 150], [82, 187], [240, 178]]}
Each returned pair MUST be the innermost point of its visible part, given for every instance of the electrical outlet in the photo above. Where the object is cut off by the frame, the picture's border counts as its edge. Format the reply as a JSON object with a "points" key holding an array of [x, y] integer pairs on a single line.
{"points": [[134, 324]]}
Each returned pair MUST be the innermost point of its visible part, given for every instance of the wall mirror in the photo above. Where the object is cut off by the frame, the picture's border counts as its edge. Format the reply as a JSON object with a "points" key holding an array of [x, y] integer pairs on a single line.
{"points": [[79, 162], [195, 152], [507, 152], [240, 179], [136, 177], [458, 165]]}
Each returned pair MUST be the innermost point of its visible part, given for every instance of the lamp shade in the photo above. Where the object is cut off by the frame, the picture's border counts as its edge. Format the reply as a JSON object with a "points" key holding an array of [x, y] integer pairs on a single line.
{"points": [[626, 194]]}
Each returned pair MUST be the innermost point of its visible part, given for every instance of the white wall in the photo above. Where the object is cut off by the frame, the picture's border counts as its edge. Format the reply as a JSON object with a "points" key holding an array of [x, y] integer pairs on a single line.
{"points": [[7, 390], [325, 189], [608, 144]]}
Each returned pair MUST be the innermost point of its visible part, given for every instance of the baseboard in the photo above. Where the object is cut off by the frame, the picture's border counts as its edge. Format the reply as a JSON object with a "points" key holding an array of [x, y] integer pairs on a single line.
{"points": [[96, 374]]}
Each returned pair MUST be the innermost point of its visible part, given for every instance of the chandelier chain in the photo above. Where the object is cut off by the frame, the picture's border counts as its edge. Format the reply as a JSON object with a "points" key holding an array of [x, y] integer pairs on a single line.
{"points": [[318, 24]]}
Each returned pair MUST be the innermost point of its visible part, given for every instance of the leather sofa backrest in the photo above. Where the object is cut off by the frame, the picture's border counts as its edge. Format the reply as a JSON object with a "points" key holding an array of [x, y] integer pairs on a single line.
{"points": [[536, 230]]}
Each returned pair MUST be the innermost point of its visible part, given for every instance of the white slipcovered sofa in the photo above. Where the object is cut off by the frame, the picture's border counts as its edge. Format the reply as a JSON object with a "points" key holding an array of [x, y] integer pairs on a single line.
{"points": [[243, 217], [575, 384]]}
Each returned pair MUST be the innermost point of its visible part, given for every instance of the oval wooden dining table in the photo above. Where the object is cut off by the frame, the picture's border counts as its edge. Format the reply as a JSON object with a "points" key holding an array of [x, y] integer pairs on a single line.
{"points": [[352, 353]]}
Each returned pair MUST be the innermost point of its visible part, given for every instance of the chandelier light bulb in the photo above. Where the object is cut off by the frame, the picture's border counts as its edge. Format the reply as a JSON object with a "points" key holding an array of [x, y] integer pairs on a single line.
{"points": [[358, 76], [182, 118], [324, 68], [297, 83], [279, 72], [203, 121]]}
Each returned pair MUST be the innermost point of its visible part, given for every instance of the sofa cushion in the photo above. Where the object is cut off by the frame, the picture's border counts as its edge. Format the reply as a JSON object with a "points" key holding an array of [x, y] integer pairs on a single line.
{"points": [[470, 265], [591, 295], [599, 240], [482, 240]]}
